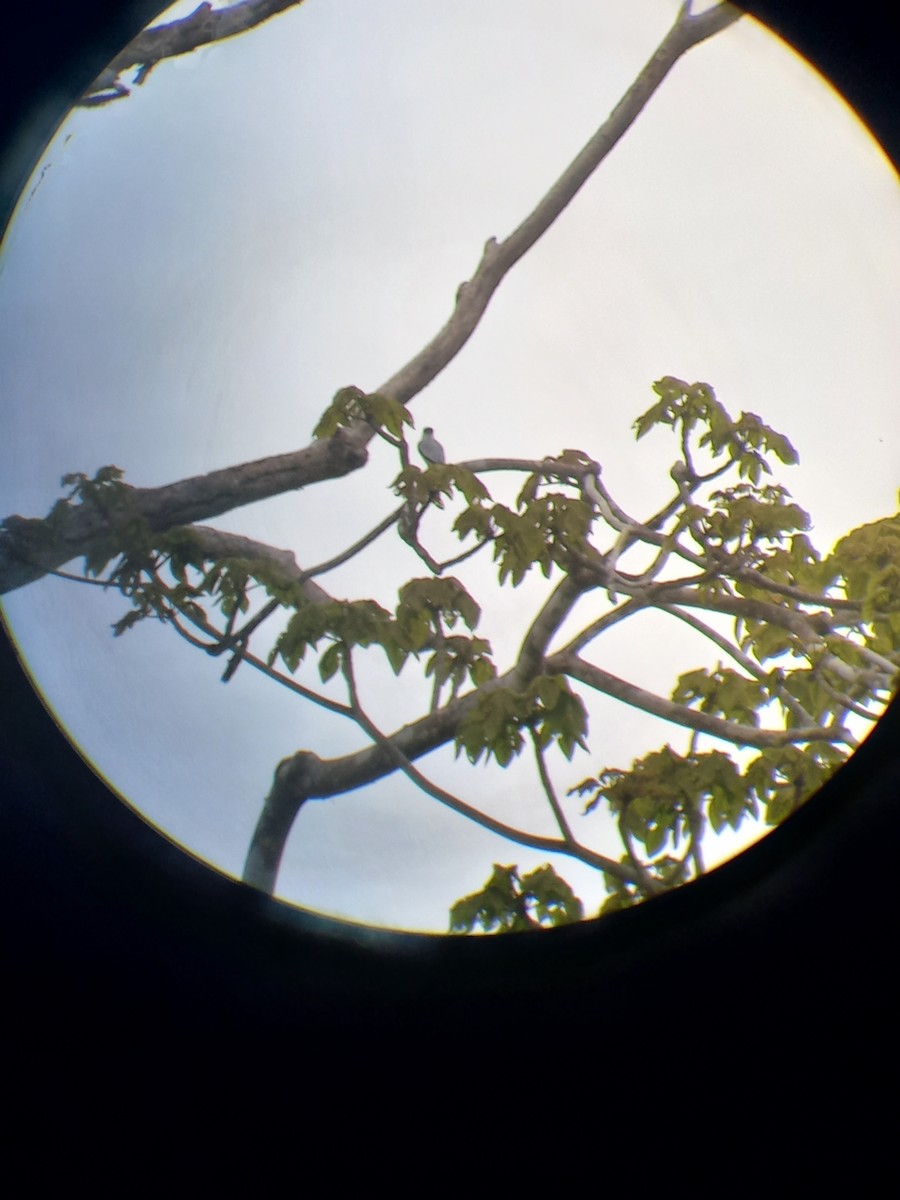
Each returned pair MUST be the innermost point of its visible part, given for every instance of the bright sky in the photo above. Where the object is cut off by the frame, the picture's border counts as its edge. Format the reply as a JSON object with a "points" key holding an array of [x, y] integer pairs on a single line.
{"points": [[194, 271]]}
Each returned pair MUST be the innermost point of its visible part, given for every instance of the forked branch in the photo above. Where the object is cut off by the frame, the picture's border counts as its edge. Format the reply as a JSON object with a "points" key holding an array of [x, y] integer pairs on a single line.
{"points": [[26, 554]]}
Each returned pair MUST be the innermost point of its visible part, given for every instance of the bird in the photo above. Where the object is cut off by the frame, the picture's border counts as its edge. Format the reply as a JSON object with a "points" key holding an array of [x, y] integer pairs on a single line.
{"points": [[430, 448], [682, 474]]}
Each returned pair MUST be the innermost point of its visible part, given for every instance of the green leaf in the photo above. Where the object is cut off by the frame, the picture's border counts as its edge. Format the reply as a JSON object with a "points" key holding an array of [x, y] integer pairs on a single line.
{"points": [[330, 662], [549, 706], [351, 404], [475, 519], [657, 796], [509, 902], [127, 622], [554, 902], [783, 777], [722, 692]]}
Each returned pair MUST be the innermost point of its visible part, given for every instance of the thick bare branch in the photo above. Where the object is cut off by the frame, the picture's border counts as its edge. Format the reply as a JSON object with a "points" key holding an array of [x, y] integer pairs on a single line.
{"points": [[497, 258], [323, 778], [289, 792], [26, 555], [217, 543], [546, 623], [300, 778], [29, 549], [203, 26]]}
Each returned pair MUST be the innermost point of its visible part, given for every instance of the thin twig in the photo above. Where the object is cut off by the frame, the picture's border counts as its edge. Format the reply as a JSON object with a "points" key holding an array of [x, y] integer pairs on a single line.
{"points": [[345, 555], [550, 792], [752, 668], [533, 841]]}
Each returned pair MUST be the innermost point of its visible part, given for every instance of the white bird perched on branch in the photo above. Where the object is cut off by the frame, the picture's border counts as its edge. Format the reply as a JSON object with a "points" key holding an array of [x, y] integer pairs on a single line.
{"points": [[430, 448]]}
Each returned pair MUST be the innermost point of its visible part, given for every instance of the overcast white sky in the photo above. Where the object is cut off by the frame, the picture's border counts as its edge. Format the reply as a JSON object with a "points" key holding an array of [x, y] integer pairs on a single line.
{"points": [[194, 271]]}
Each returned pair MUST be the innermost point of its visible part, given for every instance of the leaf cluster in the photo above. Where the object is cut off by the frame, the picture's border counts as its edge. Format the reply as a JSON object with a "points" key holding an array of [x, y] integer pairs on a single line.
{"points": [[109, 496], [439, 480], [510, 901], [867, 563], [794, 563], [548, 706], [105, 490], [662, 802], [784, 777], [621, 893], [659, 799], [352, 404], [224, 582], [690, 408], [746, 515], [546, 528], [723, 693], [424, 608]]}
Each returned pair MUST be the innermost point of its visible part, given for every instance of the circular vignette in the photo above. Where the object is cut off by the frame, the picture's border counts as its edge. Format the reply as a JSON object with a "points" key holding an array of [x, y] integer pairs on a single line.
{"points": [[124, 877]]}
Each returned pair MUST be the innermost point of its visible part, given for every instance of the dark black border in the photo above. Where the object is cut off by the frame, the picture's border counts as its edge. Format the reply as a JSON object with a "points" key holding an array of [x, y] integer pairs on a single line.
{"points": [[113, 937]]}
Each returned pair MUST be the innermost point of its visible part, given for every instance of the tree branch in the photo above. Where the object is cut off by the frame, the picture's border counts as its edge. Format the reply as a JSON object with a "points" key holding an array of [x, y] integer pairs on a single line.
{"points": [[679, 714], [203, 26], [29, 548], [345, 555], [288, 793], [751, 667], [798, 594], [534, 646], [335, 776], [26, 554], [550, 792], [569, 846], [473, 296], [809, 628], [299, 779]]}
